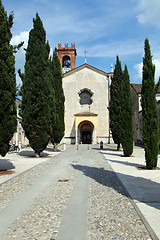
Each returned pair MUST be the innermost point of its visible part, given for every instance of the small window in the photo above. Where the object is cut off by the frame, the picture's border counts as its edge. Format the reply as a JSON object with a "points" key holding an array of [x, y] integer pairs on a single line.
{"points": [[85, 97], [66, 62]]}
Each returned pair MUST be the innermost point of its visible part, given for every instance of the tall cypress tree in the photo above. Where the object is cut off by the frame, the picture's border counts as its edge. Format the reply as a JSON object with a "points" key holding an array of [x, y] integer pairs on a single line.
{"points": [[8, 114], [126, 115], [58, 109], [36, 89], [150, 121], [115, 103]]}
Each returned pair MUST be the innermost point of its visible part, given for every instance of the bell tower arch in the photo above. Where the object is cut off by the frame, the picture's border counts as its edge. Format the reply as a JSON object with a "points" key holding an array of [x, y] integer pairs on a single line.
{"points": [[67, 57]]}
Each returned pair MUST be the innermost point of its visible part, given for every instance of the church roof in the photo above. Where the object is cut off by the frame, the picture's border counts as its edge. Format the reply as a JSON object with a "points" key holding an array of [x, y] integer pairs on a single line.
{"points": [[138, 88], [85, 114], [85, 66]]}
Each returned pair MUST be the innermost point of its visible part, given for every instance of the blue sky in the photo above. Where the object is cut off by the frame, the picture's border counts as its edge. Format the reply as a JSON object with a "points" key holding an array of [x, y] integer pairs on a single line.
{"points": [[105, 28]]}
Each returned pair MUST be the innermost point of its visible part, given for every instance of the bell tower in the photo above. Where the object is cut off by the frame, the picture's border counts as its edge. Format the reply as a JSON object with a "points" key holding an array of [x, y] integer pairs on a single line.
{"points": [[67, 57]]}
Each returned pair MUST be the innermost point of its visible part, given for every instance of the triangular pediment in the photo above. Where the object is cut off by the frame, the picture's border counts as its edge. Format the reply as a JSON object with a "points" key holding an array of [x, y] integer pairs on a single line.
{"points": [[85, 66]]}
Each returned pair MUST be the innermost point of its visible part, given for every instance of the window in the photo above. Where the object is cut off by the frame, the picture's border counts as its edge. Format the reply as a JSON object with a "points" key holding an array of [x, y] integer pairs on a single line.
{"points": [[85, 97], [66, 62]]}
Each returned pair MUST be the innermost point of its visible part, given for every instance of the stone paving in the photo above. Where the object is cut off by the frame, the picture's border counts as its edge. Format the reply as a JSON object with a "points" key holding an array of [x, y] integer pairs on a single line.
{"points": [[110, 214], [17, 163]]}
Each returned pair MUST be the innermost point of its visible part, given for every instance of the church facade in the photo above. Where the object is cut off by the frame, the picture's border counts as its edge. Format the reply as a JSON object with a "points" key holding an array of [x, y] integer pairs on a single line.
{"points": [[86, 91]]}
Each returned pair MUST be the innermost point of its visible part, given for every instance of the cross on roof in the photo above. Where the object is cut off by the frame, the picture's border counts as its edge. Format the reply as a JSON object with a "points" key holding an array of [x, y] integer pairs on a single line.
{"points": [[85, 56]]}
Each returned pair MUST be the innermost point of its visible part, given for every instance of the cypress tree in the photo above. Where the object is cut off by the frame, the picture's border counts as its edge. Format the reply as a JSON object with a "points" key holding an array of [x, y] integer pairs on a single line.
{"points": [[126, 115], [58, 108], [115, 103], [8, 114], [36, 89], [150, 120]]}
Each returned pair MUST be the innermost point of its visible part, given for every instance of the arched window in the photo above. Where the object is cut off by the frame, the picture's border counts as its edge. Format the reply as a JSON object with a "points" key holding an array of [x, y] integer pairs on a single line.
{"points": [[66, 62], [85, 97]]}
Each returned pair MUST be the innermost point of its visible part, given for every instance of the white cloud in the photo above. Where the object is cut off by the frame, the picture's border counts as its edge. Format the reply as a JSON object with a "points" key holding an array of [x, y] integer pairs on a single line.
{"points": [[138, 68], [85, 21], [138, 75], [120, 48], [157, 66], [150, 12], [20, 55], [23, 36], [73, 26]]}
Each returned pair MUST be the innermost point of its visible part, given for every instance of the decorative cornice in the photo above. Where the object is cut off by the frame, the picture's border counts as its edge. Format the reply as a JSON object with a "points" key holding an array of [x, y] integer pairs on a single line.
{"points": [[85, 114]]}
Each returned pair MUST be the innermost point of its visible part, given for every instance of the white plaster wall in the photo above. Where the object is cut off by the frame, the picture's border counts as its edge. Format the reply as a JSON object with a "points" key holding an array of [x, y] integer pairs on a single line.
{"points": [[139, 97], [19, 135], [98, 84]]}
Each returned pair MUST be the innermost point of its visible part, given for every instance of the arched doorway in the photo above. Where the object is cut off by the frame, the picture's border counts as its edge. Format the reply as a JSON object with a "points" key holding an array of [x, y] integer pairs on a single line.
{"points": [[86, 132]]}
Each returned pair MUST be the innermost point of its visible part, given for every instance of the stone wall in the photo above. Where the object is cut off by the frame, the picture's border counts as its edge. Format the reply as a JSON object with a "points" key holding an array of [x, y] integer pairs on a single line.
{"points": [[95, 82]]}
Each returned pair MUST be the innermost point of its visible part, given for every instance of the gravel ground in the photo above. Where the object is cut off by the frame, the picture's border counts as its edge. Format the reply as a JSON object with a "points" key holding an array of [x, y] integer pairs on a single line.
{"points": [[110, 213], [42, 219], [11, 189]]}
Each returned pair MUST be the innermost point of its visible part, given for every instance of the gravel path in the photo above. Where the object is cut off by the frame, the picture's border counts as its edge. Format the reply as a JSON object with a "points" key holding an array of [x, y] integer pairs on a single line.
{"points": [[110, 213], [13, 188]]}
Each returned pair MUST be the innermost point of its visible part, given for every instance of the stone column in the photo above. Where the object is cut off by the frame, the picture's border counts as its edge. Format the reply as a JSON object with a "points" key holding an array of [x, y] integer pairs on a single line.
{"points": [[76, 135], [95, 136], [17, 135]]}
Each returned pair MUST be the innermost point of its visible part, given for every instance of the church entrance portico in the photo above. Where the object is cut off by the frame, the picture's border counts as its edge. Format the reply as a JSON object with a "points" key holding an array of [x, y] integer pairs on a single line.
{"points": [[85, 127]]}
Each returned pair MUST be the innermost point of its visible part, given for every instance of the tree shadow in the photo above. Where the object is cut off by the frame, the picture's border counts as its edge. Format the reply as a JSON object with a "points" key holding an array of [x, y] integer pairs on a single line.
{"points": [[114, 154], [99, 175], [127, 163], [28, 153], [5, 165], [106, 149], [98, 148], [136, 188], [110, 148], [49, 149]]}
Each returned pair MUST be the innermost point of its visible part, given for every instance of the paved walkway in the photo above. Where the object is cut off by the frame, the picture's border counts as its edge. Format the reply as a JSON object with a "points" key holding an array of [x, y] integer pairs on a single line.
{"points": [[17, 163], [76, 195], [143, 186]]}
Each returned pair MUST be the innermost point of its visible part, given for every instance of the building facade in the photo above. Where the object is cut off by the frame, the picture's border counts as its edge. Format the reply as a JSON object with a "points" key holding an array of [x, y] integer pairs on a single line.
{"points": [[19, 139], [137, 108], [86, 91]]}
